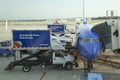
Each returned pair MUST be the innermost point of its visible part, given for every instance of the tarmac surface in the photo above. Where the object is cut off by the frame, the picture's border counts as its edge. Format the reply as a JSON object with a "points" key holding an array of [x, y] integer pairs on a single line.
{"points": [[107, 71], [48, 73]]}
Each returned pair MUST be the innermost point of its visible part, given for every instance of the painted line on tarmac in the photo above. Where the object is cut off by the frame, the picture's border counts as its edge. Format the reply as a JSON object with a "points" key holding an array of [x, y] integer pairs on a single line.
{"points": [[43, 75]]}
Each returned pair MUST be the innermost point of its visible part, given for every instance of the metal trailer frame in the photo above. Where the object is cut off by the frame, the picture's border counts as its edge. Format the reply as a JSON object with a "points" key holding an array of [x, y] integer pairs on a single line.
{"points": [[28, 64]]}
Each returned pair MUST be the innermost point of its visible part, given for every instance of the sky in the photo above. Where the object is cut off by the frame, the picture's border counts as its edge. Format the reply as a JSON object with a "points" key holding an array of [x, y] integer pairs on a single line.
{"points": [[50, 9]]}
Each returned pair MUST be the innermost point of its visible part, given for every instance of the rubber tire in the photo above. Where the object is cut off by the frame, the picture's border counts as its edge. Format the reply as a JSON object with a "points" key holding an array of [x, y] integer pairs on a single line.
{"points": [[76, 65], [26, 68], [69, 66]]}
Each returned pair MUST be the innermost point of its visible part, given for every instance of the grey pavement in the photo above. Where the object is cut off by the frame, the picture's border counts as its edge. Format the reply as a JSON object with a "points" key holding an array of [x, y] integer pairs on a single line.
{"points": [[52, 73]]}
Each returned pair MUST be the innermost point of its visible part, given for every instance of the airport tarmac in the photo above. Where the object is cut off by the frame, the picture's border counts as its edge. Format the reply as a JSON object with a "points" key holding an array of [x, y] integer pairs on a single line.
{"points": [[53, 73]]}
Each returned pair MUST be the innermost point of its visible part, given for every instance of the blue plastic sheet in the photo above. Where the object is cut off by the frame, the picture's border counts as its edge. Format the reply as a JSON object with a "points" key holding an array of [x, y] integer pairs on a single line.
{"points": [[95, 76], [6, 51]]}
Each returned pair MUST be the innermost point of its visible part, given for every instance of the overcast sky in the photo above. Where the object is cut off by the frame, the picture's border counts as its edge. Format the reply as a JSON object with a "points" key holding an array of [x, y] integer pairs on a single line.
{"points": [[47, 9]]}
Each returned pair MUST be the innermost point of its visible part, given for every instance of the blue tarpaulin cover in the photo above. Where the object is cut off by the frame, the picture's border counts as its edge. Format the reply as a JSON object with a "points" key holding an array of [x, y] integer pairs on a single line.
{"points": [[95, 76], [6, 51]]}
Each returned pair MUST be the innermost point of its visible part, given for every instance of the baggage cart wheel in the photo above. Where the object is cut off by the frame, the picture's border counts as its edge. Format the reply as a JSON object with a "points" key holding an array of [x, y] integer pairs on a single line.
{"points": [[26, 68], [69, 66]]}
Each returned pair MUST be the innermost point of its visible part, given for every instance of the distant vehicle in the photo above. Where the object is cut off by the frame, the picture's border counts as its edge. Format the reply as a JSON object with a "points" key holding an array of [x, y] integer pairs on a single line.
{"points": [[57, 28], [6, 43], [5, 48]]}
